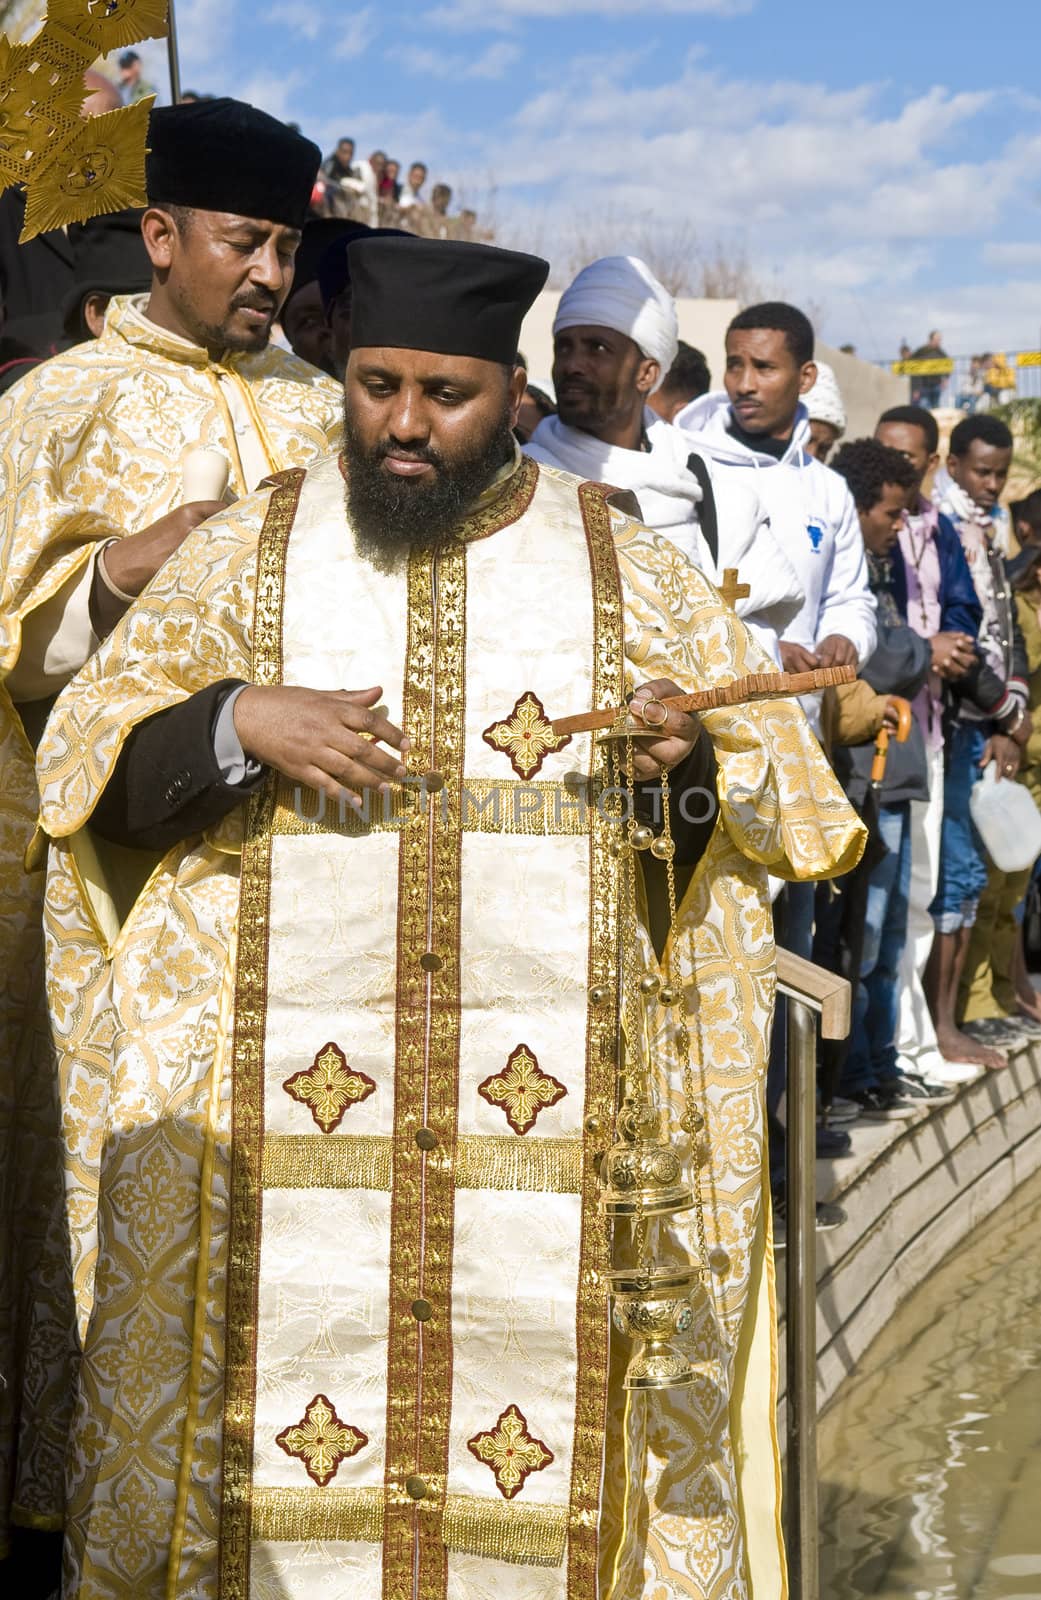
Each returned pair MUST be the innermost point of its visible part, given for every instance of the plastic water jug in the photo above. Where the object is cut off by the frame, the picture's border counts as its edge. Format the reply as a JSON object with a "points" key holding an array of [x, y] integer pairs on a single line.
{"points": [[1009, 822]]}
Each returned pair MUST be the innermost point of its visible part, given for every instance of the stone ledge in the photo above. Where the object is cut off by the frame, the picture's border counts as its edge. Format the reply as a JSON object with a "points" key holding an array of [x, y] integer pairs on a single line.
{"points": [[912, 1191]]}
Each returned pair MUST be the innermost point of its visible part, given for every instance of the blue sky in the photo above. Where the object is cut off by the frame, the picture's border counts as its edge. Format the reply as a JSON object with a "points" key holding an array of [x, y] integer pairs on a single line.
{"points": [[879, 163]]}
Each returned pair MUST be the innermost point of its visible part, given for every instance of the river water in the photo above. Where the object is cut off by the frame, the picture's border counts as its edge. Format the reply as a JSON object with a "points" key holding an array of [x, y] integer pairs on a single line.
{"points": [[931, 1457]]}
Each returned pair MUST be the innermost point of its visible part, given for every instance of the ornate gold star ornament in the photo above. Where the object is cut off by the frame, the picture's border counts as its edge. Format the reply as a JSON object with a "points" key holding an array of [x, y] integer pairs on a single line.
{"points": [[526, 736], [329, 1087], [110, 24], [521, 1089], [73, 168], [100, 169], [510, 1451], [321, 1440]]}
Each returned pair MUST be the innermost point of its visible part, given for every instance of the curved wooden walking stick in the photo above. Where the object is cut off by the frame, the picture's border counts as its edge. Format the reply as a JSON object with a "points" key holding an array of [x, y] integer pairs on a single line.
{"points": [[757, 686], [901, 734]]}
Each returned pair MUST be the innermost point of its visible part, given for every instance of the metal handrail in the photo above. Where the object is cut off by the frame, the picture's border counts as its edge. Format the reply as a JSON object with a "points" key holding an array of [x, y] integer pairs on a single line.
{"points": [[811, 993]]}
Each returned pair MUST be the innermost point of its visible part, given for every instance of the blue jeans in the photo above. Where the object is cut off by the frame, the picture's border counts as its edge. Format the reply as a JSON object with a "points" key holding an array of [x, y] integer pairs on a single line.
{"points": [[872, 1048], [963, 858]]}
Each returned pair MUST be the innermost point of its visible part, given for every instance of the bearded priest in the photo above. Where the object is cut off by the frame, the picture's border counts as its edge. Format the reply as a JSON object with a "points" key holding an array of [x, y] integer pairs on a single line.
{"points": [[352, 1330]]}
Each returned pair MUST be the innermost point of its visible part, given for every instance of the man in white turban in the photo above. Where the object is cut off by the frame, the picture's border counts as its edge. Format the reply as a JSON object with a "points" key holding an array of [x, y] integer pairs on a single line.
{"points": [[827, 414], [614, 340]]}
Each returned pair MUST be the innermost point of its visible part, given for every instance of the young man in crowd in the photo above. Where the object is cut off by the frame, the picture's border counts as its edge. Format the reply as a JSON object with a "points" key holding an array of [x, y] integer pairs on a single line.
{"points": [[614, 341], [937, 593], [758, 430], [880, 480], [992, 725], [412, 191], [686, 380], [826, 412]]}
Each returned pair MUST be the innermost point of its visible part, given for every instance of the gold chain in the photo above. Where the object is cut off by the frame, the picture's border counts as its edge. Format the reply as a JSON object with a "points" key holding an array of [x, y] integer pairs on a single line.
{"points": [[693, 1122]]}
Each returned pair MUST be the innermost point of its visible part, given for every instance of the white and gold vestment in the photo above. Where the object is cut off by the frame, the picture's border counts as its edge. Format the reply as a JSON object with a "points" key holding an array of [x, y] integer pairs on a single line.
{"points": [[350, 1330], [92, 445]]}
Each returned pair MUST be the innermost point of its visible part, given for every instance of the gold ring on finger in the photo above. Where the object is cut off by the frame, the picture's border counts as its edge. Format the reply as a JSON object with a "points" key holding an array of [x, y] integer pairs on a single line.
{"points": [[660, 716]]}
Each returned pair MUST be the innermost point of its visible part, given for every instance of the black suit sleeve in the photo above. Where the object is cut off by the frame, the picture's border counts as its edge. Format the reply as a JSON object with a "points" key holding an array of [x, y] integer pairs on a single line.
{"points": [[167, 784]]}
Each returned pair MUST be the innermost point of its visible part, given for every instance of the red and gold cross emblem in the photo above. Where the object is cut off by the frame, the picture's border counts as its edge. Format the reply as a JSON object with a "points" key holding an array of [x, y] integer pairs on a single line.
{"points": [[321, 1440], [522, 1089], [510, 1451], [329, 1087], [526, 736]]}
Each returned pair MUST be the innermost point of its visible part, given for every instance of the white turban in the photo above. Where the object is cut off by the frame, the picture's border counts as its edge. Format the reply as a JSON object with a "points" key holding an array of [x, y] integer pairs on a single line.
{"points": [[621, 292], [824, 400]]}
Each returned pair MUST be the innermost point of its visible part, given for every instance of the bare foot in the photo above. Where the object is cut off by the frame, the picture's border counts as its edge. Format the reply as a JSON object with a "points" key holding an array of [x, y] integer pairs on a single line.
{"points": [[957, 1046]]}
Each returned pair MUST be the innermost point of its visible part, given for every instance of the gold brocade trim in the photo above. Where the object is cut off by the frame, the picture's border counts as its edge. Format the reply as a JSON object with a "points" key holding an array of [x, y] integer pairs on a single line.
{"points": [[426, 1074], [593, 1324], [247, 1067], [497, 511], [482, 1161], [488, 805], [530, 1534]]}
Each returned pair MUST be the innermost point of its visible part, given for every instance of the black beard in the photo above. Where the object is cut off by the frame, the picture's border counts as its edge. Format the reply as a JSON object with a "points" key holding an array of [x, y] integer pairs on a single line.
{"points": [[391, 515]]}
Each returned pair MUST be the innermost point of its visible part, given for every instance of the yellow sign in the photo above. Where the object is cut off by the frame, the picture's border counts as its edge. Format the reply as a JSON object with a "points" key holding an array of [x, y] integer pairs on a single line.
{"points": [[939, 368], [1029, 358]]}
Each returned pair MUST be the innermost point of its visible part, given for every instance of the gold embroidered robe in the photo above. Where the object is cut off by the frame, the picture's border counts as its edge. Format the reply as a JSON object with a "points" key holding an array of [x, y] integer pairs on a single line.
{"points": [[350, 1327], [91, 447]]}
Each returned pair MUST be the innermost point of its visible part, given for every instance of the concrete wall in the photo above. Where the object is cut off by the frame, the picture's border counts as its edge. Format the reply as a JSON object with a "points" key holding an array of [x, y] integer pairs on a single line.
{"points": [[866, 389]]}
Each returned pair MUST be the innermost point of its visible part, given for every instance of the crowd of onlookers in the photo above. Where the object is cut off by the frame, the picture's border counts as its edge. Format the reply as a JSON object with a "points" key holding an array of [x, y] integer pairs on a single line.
{"points": [[375, 190], [977, 383]]}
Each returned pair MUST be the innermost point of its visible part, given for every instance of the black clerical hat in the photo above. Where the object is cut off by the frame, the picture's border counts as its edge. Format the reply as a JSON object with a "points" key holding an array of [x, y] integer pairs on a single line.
{"points": [[442, 295], [109, 257], [318, 235], [222, 155]]}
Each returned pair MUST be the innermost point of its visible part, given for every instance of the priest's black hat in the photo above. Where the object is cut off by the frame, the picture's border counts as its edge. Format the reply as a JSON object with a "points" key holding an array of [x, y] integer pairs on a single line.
{"points": [[442, 295], [318, 235], [223, 155]]}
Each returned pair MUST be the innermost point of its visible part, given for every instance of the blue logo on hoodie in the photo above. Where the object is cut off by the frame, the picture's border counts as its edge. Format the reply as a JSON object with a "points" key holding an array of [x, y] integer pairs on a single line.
{"points": [[816, 535]]}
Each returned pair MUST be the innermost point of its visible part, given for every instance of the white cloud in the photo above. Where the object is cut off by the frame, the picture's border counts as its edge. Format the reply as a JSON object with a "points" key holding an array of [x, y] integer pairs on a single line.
{"points": [[854, 200], [301, 17], [356, 34], [492, 63], [205, 31], [306, 19], [272, 92], [1013, 256], [508, 13]]}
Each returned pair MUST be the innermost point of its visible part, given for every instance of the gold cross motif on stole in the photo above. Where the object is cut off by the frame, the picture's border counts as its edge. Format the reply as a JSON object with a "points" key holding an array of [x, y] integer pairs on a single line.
{"points": [[731, 590]]}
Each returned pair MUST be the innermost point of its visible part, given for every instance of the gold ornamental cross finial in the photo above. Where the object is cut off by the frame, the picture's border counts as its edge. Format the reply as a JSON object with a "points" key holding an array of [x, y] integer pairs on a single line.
{"points": [[731, 590]]}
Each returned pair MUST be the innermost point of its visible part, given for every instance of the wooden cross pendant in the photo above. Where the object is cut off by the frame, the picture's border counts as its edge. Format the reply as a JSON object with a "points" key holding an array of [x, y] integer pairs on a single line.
{"points": [[731, 590]]}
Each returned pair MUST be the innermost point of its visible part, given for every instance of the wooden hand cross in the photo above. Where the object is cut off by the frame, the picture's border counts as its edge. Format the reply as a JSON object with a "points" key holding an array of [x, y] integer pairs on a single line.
{"points": [[757, 686], [731, 590]]}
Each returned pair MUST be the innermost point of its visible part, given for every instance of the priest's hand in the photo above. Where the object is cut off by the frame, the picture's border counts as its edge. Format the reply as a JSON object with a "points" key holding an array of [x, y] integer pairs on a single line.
{"points": [[675, 738], [131, 563], [328, 739], [796, 658]]}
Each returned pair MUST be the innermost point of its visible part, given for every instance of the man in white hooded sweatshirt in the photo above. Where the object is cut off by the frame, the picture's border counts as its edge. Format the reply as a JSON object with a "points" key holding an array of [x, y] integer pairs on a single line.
{"points": [[758, 431], [614, 340]]}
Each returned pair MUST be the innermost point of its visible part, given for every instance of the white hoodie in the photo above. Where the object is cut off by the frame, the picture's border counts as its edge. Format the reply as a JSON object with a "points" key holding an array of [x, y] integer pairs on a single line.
{"points": [[813, 517], [669, 496]]}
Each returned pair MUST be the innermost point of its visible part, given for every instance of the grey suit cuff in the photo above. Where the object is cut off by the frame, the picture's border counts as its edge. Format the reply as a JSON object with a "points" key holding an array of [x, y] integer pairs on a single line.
{"points": [[236, 767]]}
